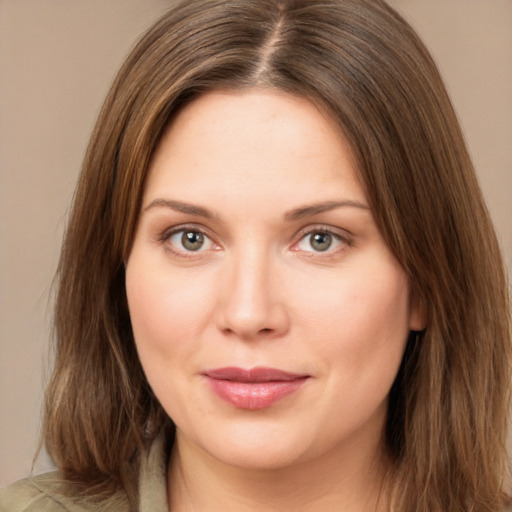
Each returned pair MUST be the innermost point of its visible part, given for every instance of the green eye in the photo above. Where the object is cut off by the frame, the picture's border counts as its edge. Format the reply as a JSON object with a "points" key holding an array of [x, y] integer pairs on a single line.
{"points": [[320, 241], [192, 240], [189, 240]]}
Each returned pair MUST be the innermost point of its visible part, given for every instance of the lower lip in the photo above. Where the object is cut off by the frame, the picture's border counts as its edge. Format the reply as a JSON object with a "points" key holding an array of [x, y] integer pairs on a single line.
{"points": [[254, 395]]}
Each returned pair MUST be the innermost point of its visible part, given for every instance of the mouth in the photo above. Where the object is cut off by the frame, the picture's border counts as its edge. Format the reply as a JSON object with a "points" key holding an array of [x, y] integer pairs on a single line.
{"points": [[257, 388]]}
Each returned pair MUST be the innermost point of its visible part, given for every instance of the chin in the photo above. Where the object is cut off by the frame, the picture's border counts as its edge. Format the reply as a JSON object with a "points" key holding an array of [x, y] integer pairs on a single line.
{"points": [[259, 457], [255, 447]]}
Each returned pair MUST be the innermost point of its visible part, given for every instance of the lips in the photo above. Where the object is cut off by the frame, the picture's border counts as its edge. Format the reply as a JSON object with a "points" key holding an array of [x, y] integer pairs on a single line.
{"points": [[257, 388]]}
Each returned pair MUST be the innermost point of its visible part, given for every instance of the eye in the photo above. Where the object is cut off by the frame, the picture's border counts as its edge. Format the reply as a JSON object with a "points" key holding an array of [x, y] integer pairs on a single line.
{"points": [[189, 240], [321, 241]]}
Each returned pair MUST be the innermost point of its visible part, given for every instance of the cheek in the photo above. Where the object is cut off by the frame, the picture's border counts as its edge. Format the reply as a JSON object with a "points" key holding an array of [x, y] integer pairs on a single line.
{"points": [[167, 309], [362, 340], [359, 320]]}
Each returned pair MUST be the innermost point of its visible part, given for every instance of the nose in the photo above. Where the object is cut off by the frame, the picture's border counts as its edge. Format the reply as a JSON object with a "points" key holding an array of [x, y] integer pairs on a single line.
{"points": [[252, 302]]}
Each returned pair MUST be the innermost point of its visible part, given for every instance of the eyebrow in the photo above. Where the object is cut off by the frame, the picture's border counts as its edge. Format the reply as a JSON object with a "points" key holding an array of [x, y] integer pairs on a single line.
{"points": [[291, 215], [182, 207], [315, 209]]}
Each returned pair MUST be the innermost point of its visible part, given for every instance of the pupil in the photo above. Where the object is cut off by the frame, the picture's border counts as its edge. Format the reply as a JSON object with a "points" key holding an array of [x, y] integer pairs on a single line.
{"points": [[192, 240], [321, 241]]}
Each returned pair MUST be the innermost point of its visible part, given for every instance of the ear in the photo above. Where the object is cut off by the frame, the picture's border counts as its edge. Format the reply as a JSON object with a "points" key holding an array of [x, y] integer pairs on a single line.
{"points": [[417, 313]]}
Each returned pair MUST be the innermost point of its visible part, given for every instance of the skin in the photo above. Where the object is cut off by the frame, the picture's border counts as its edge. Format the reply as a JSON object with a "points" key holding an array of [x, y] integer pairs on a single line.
{"points": [[258, 292]]}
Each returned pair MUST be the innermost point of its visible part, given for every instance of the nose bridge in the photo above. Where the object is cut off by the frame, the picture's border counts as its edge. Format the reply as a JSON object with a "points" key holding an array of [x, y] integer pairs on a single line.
{"points": [[251, 303]]}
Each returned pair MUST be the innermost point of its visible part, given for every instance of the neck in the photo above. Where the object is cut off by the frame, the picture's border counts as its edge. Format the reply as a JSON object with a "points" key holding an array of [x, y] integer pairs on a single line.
{"points": [[351, 480]]}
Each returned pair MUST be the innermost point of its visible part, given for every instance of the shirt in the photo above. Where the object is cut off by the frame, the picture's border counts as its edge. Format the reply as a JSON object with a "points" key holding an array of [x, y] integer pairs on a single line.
{"points": [[49, 493]]}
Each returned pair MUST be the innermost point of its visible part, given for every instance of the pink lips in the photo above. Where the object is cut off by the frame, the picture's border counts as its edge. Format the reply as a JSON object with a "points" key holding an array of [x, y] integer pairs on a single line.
{"points": [[257, 388]]}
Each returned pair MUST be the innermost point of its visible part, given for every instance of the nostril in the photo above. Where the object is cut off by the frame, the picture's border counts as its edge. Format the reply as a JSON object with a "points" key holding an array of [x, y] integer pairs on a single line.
{"points": [[251, 315]]}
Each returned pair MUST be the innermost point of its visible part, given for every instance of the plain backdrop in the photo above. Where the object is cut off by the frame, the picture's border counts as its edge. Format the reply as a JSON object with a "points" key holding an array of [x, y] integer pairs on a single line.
{"points": [[57, 60]]}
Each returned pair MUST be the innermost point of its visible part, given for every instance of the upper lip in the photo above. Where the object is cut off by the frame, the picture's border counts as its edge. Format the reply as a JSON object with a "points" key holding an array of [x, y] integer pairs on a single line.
{"points": [[258, 374]]}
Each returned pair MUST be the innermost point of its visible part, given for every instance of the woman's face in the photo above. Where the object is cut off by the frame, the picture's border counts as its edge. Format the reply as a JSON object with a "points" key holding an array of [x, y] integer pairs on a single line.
{"points": [[269, 315]]}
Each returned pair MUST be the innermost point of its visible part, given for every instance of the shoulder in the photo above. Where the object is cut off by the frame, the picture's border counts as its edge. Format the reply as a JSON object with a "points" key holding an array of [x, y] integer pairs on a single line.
{"points": [[49, 493], [45, 493]]}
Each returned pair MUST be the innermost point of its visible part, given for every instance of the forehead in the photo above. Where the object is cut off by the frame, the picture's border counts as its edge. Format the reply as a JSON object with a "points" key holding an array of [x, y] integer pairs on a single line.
{"points": [[253, 140]]}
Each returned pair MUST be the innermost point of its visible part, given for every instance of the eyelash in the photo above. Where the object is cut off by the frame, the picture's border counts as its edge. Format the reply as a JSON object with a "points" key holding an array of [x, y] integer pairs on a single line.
{"points": [[344, 240], [167, 234]]}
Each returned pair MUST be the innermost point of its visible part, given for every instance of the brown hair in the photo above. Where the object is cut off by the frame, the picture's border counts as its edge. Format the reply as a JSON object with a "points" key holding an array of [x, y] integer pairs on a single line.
{"points": [[367, 68]]}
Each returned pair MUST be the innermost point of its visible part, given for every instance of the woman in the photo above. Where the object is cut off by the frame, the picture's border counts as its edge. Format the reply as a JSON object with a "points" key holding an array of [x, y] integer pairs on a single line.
{"points": [[279, 288]]}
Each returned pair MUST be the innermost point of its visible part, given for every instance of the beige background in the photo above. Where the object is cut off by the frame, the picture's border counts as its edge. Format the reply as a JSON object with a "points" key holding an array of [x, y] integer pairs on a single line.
{"points": [[57, 59]]}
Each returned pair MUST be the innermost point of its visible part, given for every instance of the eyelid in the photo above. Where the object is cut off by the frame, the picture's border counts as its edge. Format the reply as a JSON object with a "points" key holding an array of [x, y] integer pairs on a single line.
{"points": [[342, 235], [345, 237], [166, 234]]}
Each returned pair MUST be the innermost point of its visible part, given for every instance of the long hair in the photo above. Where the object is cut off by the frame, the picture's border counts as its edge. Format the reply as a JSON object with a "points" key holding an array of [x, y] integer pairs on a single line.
{"points": [[365, 66]]}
